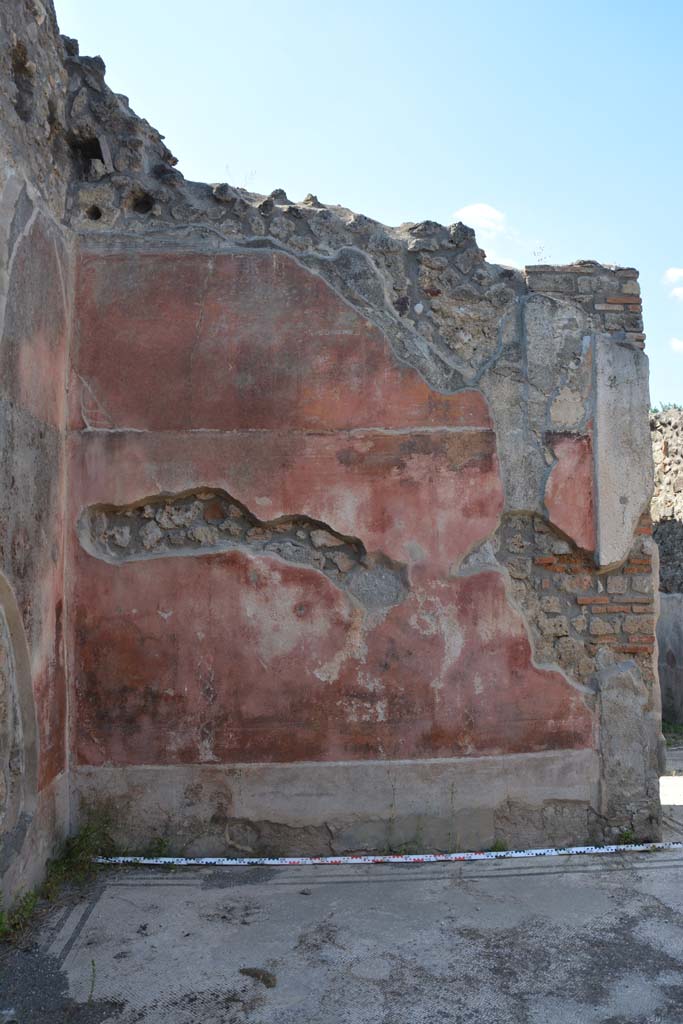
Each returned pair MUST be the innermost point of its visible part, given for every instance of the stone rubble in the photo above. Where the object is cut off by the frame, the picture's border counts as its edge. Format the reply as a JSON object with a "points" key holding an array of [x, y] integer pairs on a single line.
{"points": [[667, 500]]}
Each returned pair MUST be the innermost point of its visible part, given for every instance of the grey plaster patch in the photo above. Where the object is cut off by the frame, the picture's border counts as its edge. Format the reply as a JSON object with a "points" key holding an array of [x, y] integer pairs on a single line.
{"points": [[542, 355], [630, 752], [18, 738], [341, 807], [622, 448]]}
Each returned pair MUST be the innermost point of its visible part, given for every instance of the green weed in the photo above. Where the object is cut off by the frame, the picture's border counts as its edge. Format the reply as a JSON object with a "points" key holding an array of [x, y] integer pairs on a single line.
{"points": [[73, 865], [666, 407], [15, 922], [673, 732], [158, 847], [75, 861]]}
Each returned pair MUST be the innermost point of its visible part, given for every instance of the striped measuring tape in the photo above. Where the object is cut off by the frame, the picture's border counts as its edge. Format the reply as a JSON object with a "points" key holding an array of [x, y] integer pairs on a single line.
{"points": [[388, 858]]}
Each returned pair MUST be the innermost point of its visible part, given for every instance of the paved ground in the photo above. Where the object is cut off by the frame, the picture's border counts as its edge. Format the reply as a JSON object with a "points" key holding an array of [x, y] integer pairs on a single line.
{"points": [[583, 939]]}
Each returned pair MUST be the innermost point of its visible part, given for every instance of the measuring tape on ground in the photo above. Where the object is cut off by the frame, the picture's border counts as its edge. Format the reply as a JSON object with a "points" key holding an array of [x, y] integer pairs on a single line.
{"points": [[388, 858]]}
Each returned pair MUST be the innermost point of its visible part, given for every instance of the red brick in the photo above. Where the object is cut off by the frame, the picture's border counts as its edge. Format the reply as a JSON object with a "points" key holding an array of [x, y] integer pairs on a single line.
{"points": [[604, 608], [593, 600]]}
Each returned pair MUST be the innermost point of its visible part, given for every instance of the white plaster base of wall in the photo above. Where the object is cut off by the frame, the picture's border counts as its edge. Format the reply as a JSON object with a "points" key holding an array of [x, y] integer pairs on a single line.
{"points": [[327, 808]]}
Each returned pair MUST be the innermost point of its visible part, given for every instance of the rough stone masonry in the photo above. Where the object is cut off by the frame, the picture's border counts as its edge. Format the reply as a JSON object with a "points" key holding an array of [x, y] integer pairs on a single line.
{"points": [[667, 514], [316, 535]]}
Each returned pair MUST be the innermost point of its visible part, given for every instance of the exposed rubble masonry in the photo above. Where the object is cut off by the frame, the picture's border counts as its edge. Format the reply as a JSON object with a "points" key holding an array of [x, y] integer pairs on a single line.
{"points": [[667, 512]]}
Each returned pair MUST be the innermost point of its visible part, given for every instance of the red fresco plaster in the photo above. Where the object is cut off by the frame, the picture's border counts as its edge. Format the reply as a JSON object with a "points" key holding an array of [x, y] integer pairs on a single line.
{"points": [[233, 657], [569, 490], [419, 498], [50, 695], [239, 342], [33, 357]]}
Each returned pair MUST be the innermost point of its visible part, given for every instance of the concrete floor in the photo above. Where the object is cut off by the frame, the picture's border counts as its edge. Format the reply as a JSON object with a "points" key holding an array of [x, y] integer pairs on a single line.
{"points": [[581, 939]]}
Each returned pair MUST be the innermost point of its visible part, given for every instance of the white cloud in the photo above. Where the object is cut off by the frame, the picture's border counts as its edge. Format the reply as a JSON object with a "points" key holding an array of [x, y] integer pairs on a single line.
{"points": [[677, 344], [484, 218], [673, 278], [503, 243], [504, 261]]}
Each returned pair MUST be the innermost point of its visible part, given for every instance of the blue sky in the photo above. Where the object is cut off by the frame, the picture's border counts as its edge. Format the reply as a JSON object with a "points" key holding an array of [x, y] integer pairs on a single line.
{"points": [[556, 128]]}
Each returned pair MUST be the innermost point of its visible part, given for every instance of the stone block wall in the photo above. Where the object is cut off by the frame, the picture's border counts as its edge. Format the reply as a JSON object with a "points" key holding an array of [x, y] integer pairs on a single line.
{"points": [[346, 535]]}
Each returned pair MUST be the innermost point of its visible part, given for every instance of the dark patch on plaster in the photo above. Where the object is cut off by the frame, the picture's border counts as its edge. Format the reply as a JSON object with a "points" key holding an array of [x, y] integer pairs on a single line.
{"points": [[266, 978], [228, 878], [669, 536], [602, 961], [23, 75], [13, 841], [205, 522], [84, 151]]}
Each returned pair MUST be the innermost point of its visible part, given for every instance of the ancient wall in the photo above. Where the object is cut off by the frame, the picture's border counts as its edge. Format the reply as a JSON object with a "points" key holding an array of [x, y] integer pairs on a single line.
{"points": [[667, 514], [35, 317], [355, 523], [295, 554]]}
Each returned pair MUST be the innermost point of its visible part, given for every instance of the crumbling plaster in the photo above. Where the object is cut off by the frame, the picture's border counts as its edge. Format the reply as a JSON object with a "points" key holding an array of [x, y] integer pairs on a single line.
{"points": [[529, 341], [207, 372]]}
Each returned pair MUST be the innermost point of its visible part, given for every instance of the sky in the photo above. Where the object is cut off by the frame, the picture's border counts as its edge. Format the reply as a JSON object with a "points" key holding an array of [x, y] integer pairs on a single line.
{"points": [[554, 130]]}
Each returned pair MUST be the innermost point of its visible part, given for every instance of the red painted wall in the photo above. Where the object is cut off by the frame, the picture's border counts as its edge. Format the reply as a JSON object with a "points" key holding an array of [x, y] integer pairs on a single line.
{"points": [[32, 484], [246, 372]]}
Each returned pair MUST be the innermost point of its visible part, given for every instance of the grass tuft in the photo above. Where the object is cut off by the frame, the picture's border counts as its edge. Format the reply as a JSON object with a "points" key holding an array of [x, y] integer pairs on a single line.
{"points": [[14, 922], [74, 865], [666, 407], [75, 861]]}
